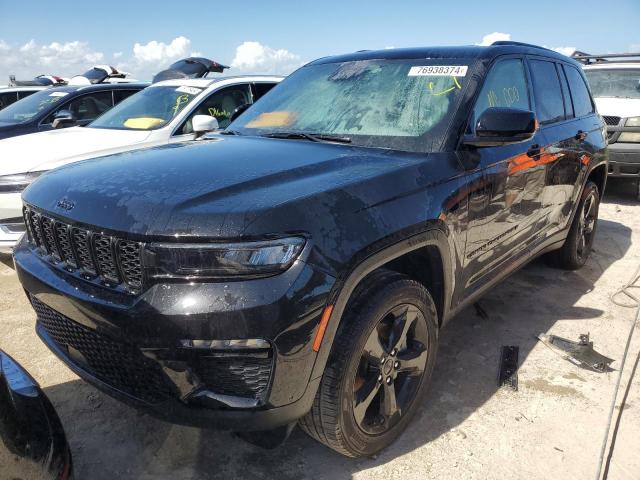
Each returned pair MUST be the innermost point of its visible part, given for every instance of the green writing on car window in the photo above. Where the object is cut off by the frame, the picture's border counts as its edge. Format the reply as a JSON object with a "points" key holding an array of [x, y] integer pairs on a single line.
{"points": [[445, 91], [219, 114], [180, 102]]}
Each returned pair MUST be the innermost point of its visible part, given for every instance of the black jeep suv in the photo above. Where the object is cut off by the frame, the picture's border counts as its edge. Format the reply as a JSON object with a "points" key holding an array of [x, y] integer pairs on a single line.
{"points": [[298, 266]]}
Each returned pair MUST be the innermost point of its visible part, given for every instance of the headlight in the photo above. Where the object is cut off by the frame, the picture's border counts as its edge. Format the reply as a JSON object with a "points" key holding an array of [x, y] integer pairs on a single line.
{"points": [[17, 182], [632, 122], [629, 137], [216, 260]]}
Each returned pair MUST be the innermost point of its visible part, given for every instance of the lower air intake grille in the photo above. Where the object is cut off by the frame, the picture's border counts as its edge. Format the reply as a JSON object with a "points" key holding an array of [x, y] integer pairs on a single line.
{"points": [[118, 364], [238, 375]]}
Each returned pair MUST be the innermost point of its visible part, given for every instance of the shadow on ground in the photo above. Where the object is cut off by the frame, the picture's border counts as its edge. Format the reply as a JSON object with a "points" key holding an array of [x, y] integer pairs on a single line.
{"points": [[110, 440]]}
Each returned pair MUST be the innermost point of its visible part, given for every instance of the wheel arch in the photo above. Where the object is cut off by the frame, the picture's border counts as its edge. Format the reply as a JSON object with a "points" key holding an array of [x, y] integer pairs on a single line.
{"points": [[425, 257]]}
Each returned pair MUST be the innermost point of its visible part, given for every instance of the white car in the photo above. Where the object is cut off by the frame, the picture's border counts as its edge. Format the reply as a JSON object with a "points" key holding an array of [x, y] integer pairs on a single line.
{"points": [[169, 111], [615, 85]]}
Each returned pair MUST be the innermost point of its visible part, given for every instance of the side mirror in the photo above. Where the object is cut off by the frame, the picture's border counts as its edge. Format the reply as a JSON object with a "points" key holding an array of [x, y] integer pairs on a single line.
{"points": [[239, 111], [503, 126], [63, 119], [204, 123]]}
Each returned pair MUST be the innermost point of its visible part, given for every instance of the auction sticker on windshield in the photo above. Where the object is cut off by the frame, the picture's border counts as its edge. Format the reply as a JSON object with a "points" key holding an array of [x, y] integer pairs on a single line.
{"points": [[438, 70], [58, 94], [189, 90]]}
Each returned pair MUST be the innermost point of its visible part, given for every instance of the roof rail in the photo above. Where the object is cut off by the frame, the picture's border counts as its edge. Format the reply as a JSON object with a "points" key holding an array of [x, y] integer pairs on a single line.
{"points": [[588, 58], [521, 44]]}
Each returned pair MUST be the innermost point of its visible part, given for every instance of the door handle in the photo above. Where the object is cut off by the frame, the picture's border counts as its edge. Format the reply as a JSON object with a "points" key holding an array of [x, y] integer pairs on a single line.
{"points": [[534, 151], [580, 136]]}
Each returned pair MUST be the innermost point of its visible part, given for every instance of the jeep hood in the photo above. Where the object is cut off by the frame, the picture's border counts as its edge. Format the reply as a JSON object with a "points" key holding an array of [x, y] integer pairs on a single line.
{"points": [[213, 188], [47, 150]]}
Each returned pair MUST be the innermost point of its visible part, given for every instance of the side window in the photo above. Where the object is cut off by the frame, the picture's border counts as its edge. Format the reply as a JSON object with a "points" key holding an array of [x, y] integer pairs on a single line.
{"points": [[259, 89], [548, 92], [7, 99], [579, 92], [119, 95], [221, 105], [505, 86], [25, 94], [568, 105], [91, 106]]}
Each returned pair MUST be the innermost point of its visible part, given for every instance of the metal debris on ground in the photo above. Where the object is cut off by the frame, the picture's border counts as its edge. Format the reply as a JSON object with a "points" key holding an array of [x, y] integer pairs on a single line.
{"points": [[580, 353], [508, 375]]}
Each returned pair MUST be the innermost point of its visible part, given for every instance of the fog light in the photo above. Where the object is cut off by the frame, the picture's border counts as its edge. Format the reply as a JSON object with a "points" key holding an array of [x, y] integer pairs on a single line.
{"points": [[629, 137]]}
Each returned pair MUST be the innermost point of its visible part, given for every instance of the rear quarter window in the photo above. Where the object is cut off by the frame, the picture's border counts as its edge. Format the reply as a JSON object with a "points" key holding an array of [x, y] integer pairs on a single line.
{"points": [[547, 91], [582, 103]]}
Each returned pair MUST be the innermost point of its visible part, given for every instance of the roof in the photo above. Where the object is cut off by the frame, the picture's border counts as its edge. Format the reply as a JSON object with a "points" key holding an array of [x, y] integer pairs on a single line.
{"points": [[613, 66], [207, 82], [467, 52], [4, 89], [98, 86]]}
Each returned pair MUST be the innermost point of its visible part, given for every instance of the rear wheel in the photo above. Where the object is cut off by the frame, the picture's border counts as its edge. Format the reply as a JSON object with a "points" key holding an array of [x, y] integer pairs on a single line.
{"points": [[577, 248], [380, 364]]}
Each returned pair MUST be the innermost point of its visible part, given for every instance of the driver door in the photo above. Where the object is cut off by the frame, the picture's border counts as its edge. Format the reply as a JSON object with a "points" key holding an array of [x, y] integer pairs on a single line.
{"points": [[506, 185]]}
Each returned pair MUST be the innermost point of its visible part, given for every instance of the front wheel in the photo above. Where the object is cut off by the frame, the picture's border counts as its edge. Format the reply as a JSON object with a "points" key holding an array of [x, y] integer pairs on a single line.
{"points": [[379, 367], [577, 247]]}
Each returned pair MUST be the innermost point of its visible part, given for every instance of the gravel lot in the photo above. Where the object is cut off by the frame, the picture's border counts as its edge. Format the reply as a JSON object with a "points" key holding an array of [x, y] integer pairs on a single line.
{"points": [[468, 428]]}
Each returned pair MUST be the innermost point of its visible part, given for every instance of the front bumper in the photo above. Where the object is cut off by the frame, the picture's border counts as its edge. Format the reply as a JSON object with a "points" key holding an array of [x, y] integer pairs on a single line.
{"points": [[11, 227], [624, 160], [132, 346]]}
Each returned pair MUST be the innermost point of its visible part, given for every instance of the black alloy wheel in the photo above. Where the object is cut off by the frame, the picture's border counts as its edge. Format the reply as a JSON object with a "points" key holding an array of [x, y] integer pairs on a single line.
{"points": [[392, 364], [577, 247], [380, 365]]}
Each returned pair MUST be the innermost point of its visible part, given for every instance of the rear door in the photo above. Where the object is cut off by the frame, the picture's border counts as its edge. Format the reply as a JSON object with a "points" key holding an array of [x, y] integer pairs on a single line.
{"points": [[562, 135]]}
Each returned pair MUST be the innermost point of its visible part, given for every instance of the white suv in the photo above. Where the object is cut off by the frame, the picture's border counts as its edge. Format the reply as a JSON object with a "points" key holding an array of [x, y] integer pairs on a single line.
{"points": [[169, 111]]}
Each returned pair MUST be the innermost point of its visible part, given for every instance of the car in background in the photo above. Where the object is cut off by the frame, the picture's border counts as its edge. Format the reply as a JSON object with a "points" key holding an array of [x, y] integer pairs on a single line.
{"points": [[78, 103], [170, 111], [33, 444], [19, 89], [615, 84], [298, 265]]}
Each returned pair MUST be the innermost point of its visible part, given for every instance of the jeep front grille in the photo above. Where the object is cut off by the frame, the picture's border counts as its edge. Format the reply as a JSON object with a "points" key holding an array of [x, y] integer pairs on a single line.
{"points": [[111, 260]]}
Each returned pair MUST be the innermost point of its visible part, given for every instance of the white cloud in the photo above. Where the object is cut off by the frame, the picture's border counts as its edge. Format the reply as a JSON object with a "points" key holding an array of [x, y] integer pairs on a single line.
{"points": [[489, 38], [160, 52], [31, 59], [253, 57], [142, 61]]}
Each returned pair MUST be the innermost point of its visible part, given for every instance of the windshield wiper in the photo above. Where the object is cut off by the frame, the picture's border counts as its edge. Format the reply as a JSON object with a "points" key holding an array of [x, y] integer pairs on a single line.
{"points": [[229, 132], [312, 137]]}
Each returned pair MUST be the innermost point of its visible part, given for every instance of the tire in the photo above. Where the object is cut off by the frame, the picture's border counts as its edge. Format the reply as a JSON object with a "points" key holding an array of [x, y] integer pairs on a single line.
{"points": [[577, 247], [355, 383]]}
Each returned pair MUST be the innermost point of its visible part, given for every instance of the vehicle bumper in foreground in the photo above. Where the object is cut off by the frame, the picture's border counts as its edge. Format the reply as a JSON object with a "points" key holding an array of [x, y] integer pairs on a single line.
{"points": [[624, 160], [141, 349]]}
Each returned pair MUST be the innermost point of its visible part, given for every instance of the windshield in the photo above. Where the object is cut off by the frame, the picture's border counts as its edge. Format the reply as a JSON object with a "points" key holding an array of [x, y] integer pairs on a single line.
{"points": [[31, 106], [397, 104], [149, 109], [614, 83]]}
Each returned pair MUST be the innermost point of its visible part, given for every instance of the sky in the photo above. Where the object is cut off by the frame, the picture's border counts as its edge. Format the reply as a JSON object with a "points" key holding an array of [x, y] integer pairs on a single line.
{"points": [[277, 36]]}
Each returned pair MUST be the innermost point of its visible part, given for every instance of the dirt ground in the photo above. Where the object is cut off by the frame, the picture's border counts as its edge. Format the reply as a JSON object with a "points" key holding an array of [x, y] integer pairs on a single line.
{"points": [[552, 427]]}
